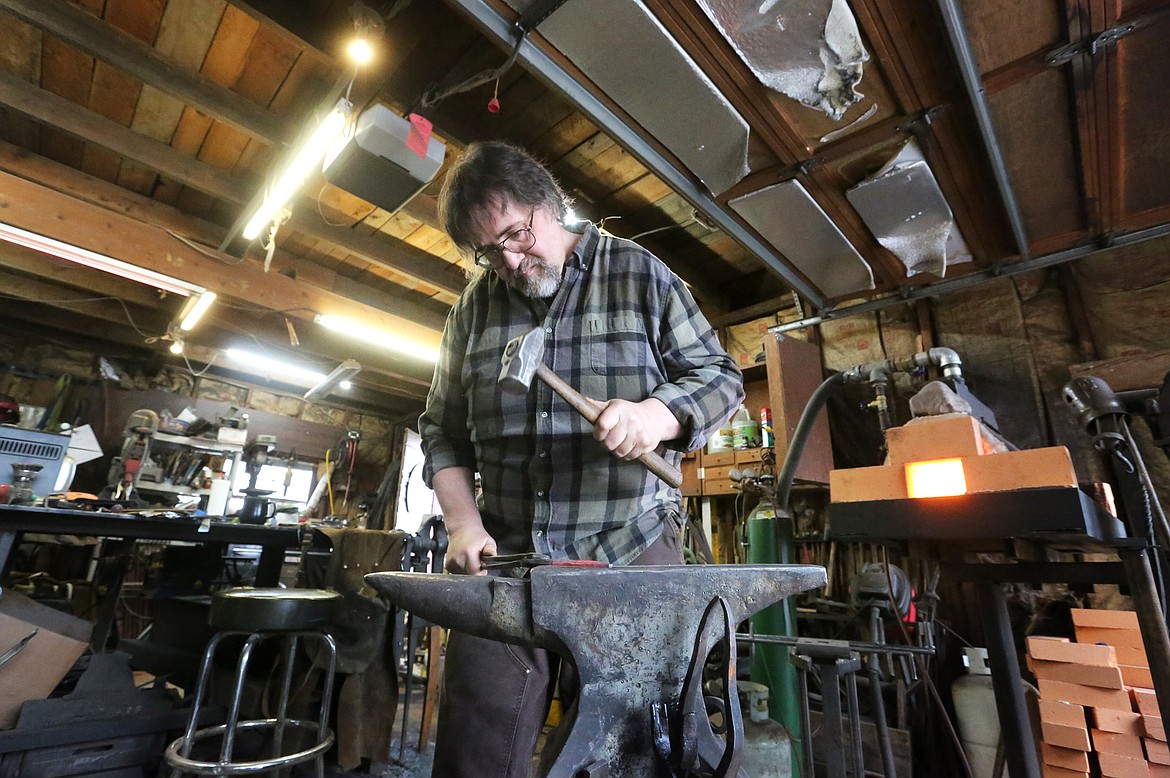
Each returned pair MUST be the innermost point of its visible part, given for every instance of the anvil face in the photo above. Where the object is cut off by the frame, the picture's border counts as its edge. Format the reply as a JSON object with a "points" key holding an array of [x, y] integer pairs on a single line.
{"points": [[629, 630]]}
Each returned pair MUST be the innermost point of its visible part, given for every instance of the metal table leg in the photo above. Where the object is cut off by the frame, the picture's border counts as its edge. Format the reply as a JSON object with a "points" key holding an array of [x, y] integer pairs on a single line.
{"points": [[1015, 725], [1149, 612]]}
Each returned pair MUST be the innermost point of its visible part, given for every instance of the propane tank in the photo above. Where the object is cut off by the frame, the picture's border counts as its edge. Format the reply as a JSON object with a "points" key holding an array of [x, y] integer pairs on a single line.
{"points": [[978, 717]]}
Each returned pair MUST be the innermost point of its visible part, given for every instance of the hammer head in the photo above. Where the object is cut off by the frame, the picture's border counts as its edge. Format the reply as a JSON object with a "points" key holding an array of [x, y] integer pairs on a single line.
{"points": [[521, 358]]}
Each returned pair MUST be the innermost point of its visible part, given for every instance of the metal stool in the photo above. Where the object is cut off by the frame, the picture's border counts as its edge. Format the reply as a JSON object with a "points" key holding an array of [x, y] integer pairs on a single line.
{"points": [[261, 614]]}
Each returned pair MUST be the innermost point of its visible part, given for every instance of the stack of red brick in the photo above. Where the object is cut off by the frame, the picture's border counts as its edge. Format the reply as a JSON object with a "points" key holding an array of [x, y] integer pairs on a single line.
{"points": [[1096, 699]]}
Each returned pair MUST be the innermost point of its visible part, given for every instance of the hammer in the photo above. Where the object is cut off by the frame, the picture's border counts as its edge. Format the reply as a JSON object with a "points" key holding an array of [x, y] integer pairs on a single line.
{"points": [[523, 359]]}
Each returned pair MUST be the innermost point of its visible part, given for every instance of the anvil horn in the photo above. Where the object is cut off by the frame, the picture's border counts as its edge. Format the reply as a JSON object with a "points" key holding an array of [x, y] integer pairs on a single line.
{"points": [[492, 608]]}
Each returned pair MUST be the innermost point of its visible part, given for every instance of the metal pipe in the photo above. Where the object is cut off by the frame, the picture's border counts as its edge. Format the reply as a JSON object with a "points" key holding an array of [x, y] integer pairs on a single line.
{"points": [[861, 647], [973, 279], [961, 44], [504, 31]]}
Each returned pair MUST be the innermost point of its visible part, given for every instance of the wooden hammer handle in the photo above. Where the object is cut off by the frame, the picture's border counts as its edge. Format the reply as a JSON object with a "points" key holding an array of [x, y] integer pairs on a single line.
{"points": [[588, 408]]}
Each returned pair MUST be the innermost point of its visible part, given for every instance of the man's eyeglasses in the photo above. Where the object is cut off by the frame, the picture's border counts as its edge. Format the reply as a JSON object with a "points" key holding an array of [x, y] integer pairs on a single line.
{"points": [[517, 241]]}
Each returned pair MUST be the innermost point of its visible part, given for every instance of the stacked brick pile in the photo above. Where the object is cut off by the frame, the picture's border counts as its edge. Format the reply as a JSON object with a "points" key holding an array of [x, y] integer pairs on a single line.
{"points": [[1096, 700]]}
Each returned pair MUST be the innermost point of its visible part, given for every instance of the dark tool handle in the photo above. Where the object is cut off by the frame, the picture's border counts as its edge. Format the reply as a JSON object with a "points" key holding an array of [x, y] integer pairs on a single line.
{"points": [[587, 408]]}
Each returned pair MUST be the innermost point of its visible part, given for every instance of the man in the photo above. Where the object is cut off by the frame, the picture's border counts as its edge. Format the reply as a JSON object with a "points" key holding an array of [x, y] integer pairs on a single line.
{"points": [[619, 327]]}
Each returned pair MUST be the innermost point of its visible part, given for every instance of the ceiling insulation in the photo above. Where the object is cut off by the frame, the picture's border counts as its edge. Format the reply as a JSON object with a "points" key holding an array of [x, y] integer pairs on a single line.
{"points": [[810, 51], [611, 42], [790, 219], [906, 211]]}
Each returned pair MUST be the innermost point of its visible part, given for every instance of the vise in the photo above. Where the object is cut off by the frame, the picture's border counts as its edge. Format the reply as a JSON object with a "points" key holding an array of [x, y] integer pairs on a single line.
{"points": [[638, 636]]}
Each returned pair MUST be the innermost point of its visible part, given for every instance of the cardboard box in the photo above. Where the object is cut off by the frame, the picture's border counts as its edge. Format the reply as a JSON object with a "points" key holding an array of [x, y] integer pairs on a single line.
{"points": [[35, 671], [1068, 758], [1126, 722], [1117, 743], [1117, 766], [1137, 676], [1085, 617], [1069, 672], [1064, 736], [1089, 696]]}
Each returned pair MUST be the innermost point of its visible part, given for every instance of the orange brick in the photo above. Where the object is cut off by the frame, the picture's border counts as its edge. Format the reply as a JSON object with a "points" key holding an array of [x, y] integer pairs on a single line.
{"points": [[1153, 727], [1052, 771], [1129, 638], [1062, 713], [1137, 676], [1085, 617], [1158, 751], [1089, 696], [1135, 657], [857, 484], [1126, 722], [1069, 672], [1029, 469], [1159, 770], [1117, 766], [1068, 758], [1146, 701], [935, 437], [1064, 650], [1117, 743], [1065, 736]]}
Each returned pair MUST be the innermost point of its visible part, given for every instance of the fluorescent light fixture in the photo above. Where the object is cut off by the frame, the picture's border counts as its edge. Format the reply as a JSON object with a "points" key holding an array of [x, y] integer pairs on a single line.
{"points": [[306, 160], [98, 261], [338, 378], [387, 340], [937, 478], [276, 367], [194, 309]]}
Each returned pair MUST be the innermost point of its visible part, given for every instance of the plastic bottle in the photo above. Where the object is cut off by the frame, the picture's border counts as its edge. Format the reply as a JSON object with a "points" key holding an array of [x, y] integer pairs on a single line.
{"points": [[221, 490], [745, 432], [975, 708], [767, 436]]}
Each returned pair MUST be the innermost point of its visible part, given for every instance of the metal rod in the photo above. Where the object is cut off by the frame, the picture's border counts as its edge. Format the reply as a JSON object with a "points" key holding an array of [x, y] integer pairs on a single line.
{"points": [[1015, 725], [972, 279], [681, 181], [879, 719], [961, 44], [862, 647], [1153, 626]]}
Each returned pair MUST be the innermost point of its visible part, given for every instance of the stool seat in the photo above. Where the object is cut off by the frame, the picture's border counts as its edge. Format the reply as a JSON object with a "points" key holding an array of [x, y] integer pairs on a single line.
{"points": [[285, 617], [246, 609]]}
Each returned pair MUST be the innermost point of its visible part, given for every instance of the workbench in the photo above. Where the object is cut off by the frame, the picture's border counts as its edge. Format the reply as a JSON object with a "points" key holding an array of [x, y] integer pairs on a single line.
{"points": [[128, 528]]}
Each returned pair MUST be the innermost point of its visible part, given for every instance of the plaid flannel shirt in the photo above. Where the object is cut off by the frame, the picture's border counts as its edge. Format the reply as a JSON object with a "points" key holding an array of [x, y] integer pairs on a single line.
{"points": [[622, 325]]}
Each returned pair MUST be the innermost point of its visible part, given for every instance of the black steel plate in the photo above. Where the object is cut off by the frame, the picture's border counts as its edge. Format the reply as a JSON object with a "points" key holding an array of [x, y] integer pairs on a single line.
{"points": [[1049, 514]]}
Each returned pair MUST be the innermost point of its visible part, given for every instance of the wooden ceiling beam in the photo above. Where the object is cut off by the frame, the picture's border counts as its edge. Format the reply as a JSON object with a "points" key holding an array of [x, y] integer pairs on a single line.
{"points": [[90, 34], [46, 212], [56, 111]]}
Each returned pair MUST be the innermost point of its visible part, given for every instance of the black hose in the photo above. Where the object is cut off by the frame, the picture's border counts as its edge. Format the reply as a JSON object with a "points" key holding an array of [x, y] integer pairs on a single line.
{"points": [[800, 437]]}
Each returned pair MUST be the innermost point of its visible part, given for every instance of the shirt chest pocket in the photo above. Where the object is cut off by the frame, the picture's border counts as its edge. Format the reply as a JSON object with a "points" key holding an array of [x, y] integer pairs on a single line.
{"points": [[618, 345]]}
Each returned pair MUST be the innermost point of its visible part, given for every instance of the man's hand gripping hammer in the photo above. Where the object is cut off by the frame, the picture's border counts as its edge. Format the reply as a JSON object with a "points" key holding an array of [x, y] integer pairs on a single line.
{"points": [[523, 359]]}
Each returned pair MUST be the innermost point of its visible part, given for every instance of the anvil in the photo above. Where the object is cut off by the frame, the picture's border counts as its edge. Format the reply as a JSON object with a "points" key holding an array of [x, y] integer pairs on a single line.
{"points": [[631, 632]]}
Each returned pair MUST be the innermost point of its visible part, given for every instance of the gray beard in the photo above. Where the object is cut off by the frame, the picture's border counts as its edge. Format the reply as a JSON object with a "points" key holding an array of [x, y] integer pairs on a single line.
{"points": [[543, 283]]}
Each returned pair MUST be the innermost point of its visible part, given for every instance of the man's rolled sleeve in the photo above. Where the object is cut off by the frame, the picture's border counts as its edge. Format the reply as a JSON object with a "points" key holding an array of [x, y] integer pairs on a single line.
{"points": [[446, 441], [706, 385]]}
